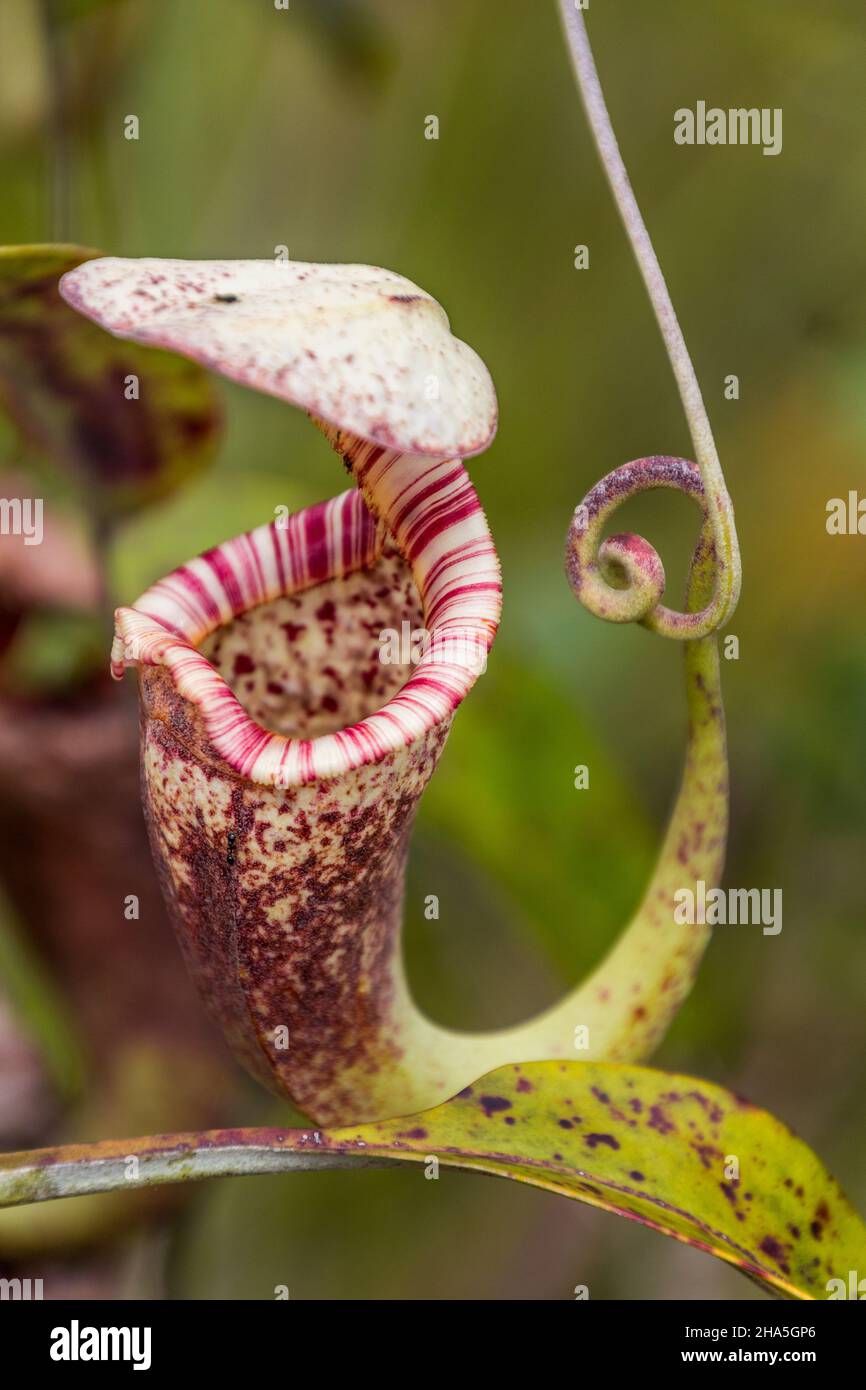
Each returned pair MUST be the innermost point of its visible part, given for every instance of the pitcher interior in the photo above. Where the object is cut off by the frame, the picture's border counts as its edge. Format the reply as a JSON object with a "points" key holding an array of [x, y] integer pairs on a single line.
{"points": [[315, 662]]}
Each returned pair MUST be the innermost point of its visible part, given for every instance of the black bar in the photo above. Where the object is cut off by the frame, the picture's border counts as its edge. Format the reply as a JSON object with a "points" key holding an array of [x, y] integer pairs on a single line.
{"points": [[226, 1338]]}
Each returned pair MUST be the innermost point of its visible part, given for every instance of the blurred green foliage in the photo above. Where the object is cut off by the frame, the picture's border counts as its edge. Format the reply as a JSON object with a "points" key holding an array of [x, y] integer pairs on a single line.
{"points": [[261, 128]]}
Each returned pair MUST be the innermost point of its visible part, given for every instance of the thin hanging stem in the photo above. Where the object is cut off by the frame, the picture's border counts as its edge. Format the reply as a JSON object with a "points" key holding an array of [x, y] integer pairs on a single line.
{"points": [[718, 501]]}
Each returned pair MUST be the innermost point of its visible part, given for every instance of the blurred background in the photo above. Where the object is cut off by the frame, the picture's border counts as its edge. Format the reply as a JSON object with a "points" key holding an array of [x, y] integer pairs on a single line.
{"points": [[306, 128]]}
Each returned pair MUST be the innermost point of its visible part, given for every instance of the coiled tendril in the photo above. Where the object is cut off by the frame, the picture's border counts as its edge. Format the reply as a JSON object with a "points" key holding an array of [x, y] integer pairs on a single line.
{"points": [[622, 578]]}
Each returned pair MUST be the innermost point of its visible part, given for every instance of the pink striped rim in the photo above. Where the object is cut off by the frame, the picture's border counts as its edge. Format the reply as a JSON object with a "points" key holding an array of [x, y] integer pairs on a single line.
{"points": [[431, 509]]}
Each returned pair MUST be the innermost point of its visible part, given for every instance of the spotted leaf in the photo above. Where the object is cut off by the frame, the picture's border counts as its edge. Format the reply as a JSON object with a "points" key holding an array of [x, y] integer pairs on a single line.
{"points": [[684, 1157]]}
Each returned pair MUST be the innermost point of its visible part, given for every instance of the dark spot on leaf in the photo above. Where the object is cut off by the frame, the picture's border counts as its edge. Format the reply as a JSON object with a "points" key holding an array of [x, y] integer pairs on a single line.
{"points": [[490, 1104], [659, 1120], [593, 1140], [706, 1153], [772, 1247]]}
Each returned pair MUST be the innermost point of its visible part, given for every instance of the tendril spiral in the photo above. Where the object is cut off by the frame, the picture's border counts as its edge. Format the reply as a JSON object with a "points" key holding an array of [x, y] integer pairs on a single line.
{"points": [[622, 578]]}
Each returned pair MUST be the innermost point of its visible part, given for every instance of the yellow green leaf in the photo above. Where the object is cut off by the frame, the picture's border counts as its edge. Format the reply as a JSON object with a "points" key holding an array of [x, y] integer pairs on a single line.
{"points": [[685, 1157]]}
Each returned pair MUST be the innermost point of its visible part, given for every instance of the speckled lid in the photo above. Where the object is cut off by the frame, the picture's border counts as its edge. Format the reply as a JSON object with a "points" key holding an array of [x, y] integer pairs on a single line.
{"points": [[362, 348]]}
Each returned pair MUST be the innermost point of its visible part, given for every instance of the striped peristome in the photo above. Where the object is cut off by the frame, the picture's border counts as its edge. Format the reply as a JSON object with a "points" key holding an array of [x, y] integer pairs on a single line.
{"points": [[438, 524]]}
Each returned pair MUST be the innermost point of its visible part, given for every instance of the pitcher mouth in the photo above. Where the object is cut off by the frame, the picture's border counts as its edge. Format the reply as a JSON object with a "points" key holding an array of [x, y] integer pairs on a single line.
{"points": [[332, 540]]}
